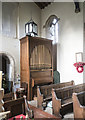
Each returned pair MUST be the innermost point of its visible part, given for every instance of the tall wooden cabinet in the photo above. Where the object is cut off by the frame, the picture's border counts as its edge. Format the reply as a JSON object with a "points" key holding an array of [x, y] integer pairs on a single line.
{"points": [[36, 63]]}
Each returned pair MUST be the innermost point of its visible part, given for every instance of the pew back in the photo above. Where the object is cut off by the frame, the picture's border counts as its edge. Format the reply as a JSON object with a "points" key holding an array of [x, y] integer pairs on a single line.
{"points": [[15, 107], [66, 92], [62, 98], [46, 90], [8, 96]]}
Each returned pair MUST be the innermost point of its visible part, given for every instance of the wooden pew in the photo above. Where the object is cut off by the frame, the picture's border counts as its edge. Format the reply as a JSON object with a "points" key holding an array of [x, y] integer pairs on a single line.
{"points": [[79, 105], [40, 81], [62, 99], [44, 92], [36, 113], [19, 106], [9, 96], [42, 115], [15, 107]]}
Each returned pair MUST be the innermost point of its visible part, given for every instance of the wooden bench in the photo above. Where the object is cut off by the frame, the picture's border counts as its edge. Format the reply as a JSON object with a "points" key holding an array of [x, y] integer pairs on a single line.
{"points": [[79, 105], [15, 107], [41, 114], [20, 92], [44, 92], [9, 96], [20, 106], [62, 99]]}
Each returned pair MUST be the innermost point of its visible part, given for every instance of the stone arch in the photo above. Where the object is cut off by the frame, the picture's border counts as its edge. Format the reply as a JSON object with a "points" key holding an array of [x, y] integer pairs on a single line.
{"points": [[49, 20], [48, 34], [48, 24], [12, 65]]}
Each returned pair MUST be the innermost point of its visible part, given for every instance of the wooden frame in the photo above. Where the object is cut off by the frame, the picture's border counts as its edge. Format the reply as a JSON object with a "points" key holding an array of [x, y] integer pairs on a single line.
{"points": [[79, 57]]}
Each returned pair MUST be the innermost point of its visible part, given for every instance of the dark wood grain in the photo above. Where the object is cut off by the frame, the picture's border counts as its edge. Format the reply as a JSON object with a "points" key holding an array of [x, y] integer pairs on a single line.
{"points": [[8, 96], [62, 98], [44, 93], [42, 5], [15, 107], [79, 105], [36, 64], [38, 113]]}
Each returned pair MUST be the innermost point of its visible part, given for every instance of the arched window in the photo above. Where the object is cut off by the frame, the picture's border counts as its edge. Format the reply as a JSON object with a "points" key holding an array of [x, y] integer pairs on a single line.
{"points": [[51, 28], [51, 31], [54, 31]]}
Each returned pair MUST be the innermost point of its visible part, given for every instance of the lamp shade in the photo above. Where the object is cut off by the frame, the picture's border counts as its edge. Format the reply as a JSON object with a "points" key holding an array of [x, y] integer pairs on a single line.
{"points": [[31, 28]]}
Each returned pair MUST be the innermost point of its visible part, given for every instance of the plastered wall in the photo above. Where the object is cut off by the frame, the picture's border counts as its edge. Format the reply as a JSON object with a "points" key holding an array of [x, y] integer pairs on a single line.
{"points": [[70, 38], [26, 12], [70, 35], [14, 29]]}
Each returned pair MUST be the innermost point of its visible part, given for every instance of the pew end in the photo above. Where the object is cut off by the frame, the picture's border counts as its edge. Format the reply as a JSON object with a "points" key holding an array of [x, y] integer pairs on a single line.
{"points": [[73, 83], [56, 104], [79, 110], [29, 113], [39, 98]]}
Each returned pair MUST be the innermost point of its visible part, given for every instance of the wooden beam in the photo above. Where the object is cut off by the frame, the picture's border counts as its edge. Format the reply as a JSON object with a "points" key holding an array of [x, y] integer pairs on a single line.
{"points": [[77, 8]]}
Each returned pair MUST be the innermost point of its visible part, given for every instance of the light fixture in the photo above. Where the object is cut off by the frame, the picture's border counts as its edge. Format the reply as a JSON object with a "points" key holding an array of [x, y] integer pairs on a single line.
{"points": [[31, 28]]}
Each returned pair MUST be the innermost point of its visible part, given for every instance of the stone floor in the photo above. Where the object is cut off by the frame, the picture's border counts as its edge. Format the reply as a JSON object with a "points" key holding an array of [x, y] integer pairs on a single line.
{"points": [[69, 116]]}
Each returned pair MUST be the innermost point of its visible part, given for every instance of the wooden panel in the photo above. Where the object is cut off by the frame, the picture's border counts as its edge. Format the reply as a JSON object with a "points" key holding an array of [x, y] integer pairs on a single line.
{"points": [[42, 5], [24, 76], [15, 107], [24, 62], [8, 96], [41, 73], [38, 81], [40, 58], [24, 55]]}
